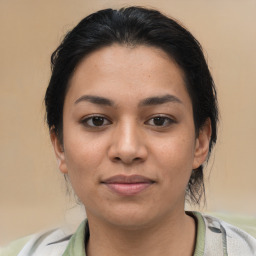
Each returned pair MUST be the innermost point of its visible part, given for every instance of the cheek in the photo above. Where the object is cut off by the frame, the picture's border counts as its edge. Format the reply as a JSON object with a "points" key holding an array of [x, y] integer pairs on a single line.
{"points": [[82, 171], [83, 156], [175, 164], [82, 149], [175, 157]]}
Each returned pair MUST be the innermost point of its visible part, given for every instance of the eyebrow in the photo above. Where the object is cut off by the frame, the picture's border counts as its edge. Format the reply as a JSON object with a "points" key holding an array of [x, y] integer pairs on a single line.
{"points": [[96, 100], [145, 102], [159, 100]]}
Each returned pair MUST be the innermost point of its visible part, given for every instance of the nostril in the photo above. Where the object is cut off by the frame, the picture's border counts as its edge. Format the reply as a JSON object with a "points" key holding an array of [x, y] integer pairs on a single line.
{"points": [[117, 159], [120, 159]]}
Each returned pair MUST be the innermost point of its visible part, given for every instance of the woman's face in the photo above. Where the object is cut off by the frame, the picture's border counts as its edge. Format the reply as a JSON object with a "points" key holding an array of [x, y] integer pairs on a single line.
{"points": [[129, 142]]}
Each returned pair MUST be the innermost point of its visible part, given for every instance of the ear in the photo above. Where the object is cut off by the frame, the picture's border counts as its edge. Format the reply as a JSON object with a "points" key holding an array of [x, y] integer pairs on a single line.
{"points": [[59, 151], [202, 144]]}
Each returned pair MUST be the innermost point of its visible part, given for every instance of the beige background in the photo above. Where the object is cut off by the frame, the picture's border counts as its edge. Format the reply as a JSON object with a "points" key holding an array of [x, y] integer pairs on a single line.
{"points": [[32, 192]]}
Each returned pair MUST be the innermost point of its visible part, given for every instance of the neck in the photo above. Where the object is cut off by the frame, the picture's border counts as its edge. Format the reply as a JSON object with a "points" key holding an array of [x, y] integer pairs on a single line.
{"points": [[173, 236]]}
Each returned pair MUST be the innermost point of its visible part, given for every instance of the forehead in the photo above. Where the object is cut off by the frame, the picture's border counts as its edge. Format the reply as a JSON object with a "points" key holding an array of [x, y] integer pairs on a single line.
{"points": [[127, 71]]}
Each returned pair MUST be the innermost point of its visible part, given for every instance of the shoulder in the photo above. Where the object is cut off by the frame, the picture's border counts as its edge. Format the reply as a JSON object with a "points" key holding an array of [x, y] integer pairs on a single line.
{"points": [[234, 240], [39, 244], [14, 247]]}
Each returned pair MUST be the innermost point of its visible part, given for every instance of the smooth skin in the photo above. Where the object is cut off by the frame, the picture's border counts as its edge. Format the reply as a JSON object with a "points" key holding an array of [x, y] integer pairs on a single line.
{"points": [[127, 112]]}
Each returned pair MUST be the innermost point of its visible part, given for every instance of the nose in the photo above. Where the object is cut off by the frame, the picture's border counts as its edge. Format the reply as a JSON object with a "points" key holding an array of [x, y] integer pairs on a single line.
{"points": [[128, 144]]}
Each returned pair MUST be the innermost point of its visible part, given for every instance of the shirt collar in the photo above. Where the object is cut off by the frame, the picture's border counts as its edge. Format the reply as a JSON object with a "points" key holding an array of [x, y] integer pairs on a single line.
{"points": [[76, 245], [78, 241]]}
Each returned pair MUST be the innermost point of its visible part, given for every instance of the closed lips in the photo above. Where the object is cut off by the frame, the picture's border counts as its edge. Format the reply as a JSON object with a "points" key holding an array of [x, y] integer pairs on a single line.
{"points": [[123, 179], [128, 185]]}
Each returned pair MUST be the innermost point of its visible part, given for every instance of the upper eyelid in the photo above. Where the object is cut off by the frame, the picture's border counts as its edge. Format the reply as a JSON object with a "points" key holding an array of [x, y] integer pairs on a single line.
{"points": [[88, 117], [171, 120], [147, 119], [94, 115], [161, 115]]}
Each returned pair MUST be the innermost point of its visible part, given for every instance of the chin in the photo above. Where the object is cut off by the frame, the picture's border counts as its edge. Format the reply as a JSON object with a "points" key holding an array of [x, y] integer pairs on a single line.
{"points": [[130, 217], [131, 223]]}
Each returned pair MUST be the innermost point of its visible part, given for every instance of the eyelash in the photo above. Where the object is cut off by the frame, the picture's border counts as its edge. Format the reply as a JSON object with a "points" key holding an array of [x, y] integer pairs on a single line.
{"points": [[86, 121], [167, 121]]}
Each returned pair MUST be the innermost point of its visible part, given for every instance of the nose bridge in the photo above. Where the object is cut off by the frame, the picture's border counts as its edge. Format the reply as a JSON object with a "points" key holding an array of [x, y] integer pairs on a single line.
{"points": [[128, 134], [128, 144]]}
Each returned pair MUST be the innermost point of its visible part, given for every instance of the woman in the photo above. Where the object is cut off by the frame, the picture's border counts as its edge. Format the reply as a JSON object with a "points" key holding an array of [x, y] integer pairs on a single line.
{"points": [[132, 113]]}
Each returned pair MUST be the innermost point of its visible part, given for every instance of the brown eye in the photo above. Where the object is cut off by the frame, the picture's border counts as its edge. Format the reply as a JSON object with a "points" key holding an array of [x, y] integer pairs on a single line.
{"points": [[160, 121], [96, 121]]}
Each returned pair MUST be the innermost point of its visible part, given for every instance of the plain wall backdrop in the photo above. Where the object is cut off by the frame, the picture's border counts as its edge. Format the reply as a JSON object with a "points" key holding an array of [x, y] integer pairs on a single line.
{"points": [[32, 191]]}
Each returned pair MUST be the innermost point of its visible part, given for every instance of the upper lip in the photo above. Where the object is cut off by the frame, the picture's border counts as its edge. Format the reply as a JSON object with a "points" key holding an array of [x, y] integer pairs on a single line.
{"points": [[125, 179]]}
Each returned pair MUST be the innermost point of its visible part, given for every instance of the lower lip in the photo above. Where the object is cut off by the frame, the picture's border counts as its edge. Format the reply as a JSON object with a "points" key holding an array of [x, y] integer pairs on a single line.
{"points": [[128, 189]]}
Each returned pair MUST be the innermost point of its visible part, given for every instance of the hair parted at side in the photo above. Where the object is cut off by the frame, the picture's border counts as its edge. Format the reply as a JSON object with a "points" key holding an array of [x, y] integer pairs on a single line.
{"points": [[134, 26]]}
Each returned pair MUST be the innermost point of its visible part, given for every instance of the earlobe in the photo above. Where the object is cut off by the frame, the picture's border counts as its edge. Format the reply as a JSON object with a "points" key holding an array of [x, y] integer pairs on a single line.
{"points": [[59, 151], [202, 144]]}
